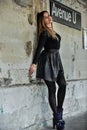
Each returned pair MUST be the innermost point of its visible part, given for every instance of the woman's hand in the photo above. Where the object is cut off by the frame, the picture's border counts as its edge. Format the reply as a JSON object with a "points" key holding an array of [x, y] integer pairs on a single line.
{"points": [[32, 69]]}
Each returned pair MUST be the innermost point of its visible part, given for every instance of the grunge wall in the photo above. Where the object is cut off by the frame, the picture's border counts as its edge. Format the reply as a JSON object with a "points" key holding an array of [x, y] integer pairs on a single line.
{"points": [[24, 105]]}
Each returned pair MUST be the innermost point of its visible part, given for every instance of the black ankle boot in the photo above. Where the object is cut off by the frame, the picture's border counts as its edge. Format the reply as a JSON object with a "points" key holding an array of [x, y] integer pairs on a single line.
{"points": [[58, 121]]}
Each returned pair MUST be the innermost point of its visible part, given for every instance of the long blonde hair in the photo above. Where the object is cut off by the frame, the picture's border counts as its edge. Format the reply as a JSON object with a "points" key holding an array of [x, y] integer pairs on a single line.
{"points": [[41, 25]]}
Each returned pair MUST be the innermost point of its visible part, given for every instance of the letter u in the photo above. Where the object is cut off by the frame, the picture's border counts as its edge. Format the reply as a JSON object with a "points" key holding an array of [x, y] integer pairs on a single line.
{"points": [[74, 17]]}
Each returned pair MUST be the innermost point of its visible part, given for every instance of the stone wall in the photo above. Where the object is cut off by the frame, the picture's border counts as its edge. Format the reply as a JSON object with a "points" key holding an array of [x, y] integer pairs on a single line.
{"points": [[24, 105]]}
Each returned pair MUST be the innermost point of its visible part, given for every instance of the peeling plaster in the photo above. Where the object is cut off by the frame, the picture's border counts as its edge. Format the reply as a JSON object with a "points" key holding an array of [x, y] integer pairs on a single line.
{"points": [[24, 3], [5, 81], [78, 4], [30, 19], [28, 47], [43, 4]]}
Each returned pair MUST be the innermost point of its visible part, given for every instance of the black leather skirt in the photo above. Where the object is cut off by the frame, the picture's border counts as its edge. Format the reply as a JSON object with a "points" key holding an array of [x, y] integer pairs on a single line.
{"points": [[49, 65]]}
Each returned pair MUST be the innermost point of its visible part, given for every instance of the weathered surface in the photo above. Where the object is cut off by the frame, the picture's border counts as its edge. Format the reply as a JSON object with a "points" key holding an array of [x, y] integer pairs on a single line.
{"points": [[24, 105]]}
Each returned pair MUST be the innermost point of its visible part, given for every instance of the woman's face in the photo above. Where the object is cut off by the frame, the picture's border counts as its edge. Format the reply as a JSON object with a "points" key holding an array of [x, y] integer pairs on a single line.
{"points": [[47, 18]]}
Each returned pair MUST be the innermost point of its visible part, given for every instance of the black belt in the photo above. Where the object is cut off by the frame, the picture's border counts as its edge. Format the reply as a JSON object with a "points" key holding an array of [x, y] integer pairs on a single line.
{"points": [[51, 50]]}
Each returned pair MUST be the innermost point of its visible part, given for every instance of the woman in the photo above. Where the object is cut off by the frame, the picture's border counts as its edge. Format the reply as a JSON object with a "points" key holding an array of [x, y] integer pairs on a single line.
{"points": [[49, 66]]}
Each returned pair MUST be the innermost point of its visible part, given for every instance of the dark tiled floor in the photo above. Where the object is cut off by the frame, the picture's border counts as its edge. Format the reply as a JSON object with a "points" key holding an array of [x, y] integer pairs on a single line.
{"points": [[74, 123]]}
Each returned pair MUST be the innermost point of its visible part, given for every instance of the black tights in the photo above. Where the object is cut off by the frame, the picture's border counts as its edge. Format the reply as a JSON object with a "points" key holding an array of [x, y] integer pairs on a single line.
{"points": [[60, 94]]}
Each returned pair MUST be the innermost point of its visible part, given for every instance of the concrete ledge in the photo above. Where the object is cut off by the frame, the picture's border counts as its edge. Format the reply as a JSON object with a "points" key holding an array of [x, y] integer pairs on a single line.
{"points": [[27, 107]]}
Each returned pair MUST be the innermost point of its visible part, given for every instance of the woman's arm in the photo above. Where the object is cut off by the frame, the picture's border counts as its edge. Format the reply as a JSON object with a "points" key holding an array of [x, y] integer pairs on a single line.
{"points": [[41, 42]]}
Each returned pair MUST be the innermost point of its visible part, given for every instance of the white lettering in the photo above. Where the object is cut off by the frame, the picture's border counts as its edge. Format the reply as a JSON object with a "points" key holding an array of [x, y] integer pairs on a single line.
{"points": [[74, 17], [62, 14], [69, 17], [54, 10]]}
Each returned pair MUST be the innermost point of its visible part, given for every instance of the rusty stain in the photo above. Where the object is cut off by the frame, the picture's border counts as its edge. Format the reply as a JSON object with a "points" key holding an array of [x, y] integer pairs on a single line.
{"points": [[28, 47]]}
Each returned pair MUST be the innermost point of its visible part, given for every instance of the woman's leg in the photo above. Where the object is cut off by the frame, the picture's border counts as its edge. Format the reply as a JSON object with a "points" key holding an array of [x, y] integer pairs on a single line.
{"points": [[52, 95], [62, 90]]}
